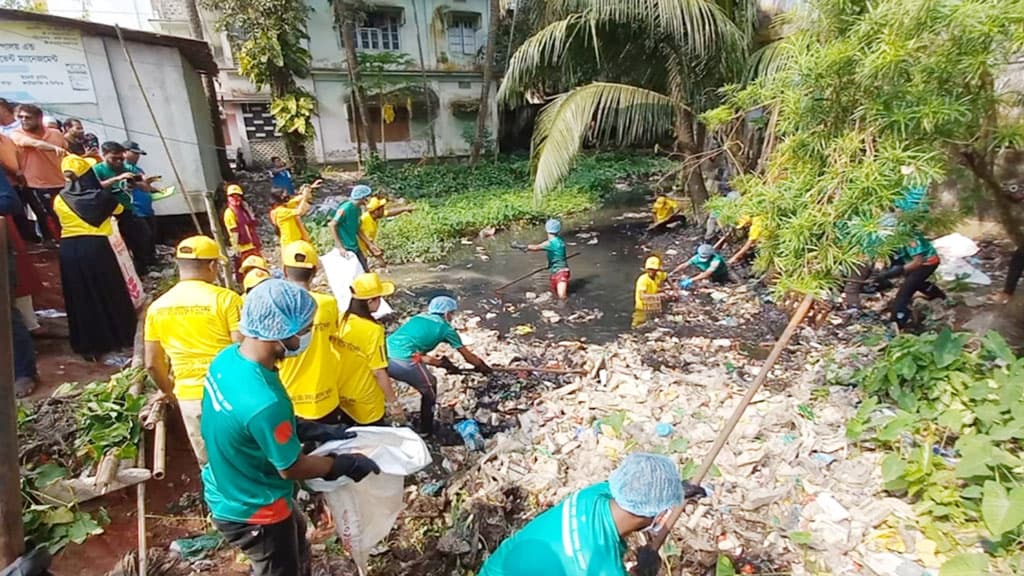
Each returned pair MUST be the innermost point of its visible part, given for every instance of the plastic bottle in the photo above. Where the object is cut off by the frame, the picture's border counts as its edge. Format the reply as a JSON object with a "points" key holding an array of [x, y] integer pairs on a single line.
{"points": [[470, 432]]}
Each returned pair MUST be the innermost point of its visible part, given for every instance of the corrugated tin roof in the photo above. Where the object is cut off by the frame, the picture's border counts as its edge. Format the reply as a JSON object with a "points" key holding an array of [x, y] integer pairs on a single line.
{"points": [[197, 52]]}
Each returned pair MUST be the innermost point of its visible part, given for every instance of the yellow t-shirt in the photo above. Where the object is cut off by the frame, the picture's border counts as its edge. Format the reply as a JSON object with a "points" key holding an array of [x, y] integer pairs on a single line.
{"points": [[362, 351], [369, 226], [666, 211], [193, 322], [289, 223], [71, 225], [311, 379], [647, 285], [231, 223], [756, 224]]}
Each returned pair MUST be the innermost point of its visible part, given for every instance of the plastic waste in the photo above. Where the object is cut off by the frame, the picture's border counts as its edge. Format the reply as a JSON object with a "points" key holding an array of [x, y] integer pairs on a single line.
{"points": [[340, 271], [364, 512], [470, 432], [663, 429]]}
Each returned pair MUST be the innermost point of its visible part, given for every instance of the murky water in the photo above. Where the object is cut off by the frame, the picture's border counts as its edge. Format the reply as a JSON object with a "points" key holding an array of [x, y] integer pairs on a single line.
{"points": [[603, 276]]}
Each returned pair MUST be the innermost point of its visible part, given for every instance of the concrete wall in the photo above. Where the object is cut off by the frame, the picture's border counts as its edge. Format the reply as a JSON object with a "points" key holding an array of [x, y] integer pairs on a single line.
{"points": [[175, 92]]}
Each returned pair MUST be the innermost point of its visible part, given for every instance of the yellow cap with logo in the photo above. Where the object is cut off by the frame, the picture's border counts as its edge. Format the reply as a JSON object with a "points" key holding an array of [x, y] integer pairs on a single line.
{"points": [[234, 189], [253, 261], [652, 263], [369, 286], [254, 277], [198, 248], [299, 254], [77, 165]]}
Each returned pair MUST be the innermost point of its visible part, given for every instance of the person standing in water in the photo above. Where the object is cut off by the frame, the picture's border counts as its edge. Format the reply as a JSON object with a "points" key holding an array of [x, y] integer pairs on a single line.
{"points": [[558, 265]]}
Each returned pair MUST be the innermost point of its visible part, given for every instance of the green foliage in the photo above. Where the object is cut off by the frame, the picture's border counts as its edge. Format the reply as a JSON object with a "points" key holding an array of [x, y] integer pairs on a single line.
{"points": [[953, 436], [864, 90], [293, 113], [107, 421], [455, 200]]}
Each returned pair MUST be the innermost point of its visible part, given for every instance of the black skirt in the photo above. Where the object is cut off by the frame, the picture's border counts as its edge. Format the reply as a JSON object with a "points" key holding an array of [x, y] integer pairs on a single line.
{"points": [[101, 318]]}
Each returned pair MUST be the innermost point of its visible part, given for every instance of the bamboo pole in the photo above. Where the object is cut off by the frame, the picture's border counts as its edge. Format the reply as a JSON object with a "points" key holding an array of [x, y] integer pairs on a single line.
{"points": [[538, 369], [159, 131], [140, 488], [226, 275], [525, 276], [805, 306], [12, 538], [160, 450]]}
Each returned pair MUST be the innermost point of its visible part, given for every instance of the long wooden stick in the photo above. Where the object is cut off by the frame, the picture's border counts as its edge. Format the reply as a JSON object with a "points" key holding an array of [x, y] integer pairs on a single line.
{"points": [[525, 276], [539, 370], [160, 450], [805, 306]]}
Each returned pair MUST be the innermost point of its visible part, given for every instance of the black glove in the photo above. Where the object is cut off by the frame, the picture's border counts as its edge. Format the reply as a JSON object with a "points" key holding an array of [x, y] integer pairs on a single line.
{"points": [[693, 491], [891, 272], [449, 366], [648, 561], [355, 466], [309, 431], [517, 245]]}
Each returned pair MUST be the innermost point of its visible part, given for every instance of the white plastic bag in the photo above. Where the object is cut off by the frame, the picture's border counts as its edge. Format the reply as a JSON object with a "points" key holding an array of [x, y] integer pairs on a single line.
{"points": [[364, 512], [341, 271], [953, 249], [124, 261]]}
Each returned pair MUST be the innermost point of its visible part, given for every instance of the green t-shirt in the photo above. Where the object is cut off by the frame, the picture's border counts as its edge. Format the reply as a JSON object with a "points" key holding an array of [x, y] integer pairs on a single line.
{"points": [[346, 220], [122, 189], [556, 254], [249, 428], [721, 270], [420, 335], [919, 246], [578, 537]]}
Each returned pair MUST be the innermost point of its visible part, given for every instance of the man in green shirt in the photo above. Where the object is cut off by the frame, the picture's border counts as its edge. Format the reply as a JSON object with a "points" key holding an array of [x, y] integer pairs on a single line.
{"points": [[917, 261], [585, 535], [710, 263], [409, 350], [118, 178], [558, 265], [345, 226], [253, 441]]}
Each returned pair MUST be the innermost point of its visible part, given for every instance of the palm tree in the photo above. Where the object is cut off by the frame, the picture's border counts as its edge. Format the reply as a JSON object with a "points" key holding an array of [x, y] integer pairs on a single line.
{"points": [[625, 72]]}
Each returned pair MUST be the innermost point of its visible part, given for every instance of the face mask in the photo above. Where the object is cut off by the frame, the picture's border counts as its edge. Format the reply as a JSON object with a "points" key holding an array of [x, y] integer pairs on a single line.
{"points": [[304, 341]]}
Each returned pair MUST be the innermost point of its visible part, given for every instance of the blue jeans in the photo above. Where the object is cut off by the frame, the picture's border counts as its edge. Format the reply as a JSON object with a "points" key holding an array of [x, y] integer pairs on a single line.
{"points": [[24, 352]]}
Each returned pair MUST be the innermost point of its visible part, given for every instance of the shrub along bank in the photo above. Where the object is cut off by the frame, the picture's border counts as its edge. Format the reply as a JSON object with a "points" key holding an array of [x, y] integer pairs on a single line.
{"points": [[455, 200]]}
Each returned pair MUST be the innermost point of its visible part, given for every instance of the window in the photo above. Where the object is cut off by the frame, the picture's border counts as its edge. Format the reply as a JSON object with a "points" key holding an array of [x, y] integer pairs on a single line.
{"points": [[465, 85], [379, 32], [398, 130], [462, 34]]}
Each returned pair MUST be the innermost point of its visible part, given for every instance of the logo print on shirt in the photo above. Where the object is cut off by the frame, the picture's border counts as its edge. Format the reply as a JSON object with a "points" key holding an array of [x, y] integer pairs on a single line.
{"points": [[283, 432]]}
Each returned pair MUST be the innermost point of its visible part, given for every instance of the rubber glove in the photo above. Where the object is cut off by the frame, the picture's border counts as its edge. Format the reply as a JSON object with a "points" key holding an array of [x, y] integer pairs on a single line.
{"points": [[891, 272], [685, 283], [355, 466], [648, 562], [693, 491]]}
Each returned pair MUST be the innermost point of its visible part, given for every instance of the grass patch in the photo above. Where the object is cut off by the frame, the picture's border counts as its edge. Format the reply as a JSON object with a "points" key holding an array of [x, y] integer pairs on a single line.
{"points": [[457, 200]]}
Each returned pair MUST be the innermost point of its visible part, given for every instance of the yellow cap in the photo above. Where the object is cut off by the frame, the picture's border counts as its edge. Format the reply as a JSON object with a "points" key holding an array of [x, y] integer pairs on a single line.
{"points": [[376, 203], [254, 277], [299, 254], [660, 201], [198, 248], [652, 263], [368, 286], [234, 189], [253, 261], [77, 165]]}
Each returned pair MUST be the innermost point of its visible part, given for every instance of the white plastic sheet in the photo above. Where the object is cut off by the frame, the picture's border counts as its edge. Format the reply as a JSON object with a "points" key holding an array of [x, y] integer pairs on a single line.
{"points": [[954, 249], [341, 271], [364, 512]]}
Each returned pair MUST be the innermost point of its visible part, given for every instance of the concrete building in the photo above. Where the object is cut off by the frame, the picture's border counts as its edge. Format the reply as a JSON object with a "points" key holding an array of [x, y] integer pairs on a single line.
{"points": [[452, 33], [76, 68]]}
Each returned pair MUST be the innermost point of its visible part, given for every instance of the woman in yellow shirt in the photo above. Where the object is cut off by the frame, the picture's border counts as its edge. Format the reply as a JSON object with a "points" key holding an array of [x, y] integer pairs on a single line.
{"points": [[364, 388], [101, 318], [287, 213]]}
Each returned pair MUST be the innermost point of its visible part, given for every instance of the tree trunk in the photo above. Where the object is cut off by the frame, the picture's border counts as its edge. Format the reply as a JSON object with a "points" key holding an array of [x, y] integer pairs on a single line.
{"points": [[195, 28], [983, 170], [485, 91], [281, 83], [426, 85], [348, 36], [689, 146]]}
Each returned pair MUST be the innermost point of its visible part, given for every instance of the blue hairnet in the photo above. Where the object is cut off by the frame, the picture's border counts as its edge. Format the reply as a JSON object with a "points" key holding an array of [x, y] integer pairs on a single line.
{"points": [[442, 305], [553, 226], [705, 251], [913, 198], [646, 484], [361, 191], [276, 310]]}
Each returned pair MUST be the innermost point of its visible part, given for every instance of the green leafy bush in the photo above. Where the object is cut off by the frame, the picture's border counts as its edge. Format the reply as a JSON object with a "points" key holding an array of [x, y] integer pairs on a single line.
{"points": [[949, 409]]}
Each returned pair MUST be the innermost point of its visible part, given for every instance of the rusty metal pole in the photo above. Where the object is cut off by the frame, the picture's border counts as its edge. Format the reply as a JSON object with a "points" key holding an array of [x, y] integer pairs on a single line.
{"points": [[12, 535]]}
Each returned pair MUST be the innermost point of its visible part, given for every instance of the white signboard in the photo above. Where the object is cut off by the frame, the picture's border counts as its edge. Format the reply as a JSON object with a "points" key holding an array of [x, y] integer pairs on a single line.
{"points": [[43, 64]]}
